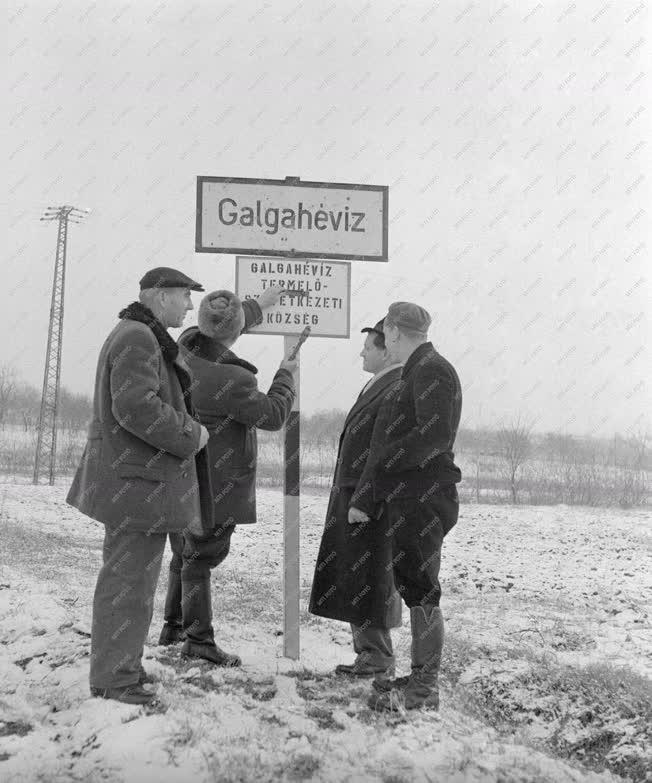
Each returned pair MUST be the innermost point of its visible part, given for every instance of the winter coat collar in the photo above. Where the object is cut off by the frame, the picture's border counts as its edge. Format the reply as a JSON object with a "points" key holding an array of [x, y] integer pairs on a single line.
{"points": [[417, 356], [378, 389], [138, 312], [212, 350]]}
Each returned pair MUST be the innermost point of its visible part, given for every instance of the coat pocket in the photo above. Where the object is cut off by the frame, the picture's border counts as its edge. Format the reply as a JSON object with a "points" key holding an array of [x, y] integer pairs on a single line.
{"points": [[127, 470], [141, 495]]}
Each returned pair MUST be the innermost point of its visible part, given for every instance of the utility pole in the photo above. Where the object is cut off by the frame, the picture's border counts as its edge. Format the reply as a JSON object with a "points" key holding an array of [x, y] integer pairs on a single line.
{"points": [[46, 446]]}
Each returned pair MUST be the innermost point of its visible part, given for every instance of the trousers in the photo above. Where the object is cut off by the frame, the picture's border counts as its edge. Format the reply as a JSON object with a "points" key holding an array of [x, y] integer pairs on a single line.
{"points": [[195, 556], [122, 606], [417, 530], [373, 645]]}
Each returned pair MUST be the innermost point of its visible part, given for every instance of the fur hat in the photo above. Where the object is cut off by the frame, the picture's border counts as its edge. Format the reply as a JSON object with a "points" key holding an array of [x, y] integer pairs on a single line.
{"points": [[220, 315]]}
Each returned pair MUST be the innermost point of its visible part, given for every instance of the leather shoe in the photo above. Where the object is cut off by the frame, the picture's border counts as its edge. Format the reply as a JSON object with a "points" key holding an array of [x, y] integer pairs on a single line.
{"points": [[129, 694], [210, 652], [358, 669]]}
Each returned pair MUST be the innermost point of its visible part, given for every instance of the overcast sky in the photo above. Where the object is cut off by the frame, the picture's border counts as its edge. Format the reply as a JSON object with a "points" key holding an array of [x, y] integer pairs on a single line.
{"points": [[514, 138]]}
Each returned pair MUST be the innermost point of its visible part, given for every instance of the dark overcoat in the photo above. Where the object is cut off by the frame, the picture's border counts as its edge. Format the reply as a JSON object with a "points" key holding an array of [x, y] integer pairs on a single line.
{"points": [[230, 405], [411, 449], [137, 471], [353, 578]]}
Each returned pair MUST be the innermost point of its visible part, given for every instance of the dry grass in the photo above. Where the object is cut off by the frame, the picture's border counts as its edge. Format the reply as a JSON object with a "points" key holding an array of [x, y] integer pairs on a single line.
{"points": [[598, 715]]}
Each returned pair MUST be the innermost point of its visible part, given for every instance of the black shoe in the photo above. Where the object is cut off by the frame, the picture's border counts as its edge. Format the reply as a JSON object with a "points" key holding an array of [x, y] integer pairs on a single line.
{"points": [[363, 670], [198, 625], [210, 652], [171, 634], [129, 694]]}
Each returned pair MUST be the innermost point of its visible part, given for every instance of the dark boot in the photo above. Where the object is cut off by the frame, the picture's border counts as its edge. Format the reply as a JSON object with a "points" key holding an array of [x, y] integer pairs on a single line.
{"points": [[421, 688], [198, 628], [173, 628]]}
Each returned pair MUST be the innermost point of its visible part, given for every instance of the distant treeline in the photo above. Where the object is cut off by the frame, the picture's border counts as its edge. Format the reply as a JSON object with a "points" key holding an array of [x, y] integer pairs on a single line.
{"points": [[506, 463], [20, 404]]}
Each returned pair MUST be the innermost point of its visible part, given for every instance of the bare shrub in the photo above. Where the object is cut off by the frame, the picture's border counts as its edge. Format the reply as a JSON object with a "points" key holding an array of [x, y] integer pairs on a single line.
{"points": [[514, 444], [8, 383]]}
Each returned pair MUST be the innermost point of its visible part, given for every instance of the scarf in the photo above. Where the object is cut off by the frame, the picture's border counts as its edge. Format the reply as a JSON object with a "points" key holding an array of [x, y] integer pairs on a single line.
{"points": [[212, 350], [138, 312]]}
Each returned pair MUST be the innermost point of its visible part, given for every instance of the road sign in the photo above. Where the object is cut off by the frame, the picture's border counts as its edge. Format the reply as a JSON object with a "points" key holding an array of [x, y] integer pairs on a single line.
{"points": [[291, 218], [320, 293]]}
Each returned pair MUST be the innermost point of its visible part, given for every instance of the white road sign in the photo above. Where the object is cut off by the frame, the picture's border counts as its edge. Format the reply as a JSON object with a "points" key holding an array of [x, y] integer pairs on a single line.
{"points": [[321, 301], [291, 218]]}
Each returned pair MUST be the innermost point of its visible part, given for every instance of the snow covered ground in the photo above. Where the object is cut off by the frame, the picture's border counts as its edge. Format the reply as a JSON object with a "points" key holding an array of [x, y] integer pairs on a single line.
{"points": [[525, 589]]}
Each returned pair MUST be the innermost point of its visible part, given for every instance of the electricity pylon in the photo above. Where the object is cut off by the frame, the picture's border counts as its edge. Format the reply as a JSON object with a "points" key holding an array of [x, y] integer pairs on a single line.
{"points": [[46, 446]]}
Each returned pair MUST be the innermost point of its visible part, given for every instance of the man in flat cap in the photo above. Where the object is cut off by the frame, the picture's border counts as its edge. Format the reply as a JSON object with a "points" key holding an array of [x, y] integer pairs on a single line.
{"points": [[353, 578], [411, 473], [138, 474], [229, 403]]}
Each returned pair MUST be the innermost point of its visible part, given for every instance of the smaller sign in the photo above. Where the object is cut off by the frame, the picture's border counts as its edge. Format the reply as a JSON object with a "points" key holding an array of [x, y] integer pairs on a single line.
{"points": [[319, 294]]}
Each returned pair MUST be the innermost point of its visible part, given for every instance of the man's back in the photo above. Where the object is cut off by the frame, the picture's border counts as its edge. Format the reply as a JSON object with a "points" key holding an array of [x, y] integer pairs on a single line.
{"points": [[412, 446]]}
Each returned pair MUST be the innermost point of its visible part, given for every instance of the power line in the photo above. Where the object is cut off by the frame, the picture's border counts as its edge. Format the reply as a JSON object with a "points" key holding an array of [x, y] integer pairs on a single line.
{"points": [[46, 446]]}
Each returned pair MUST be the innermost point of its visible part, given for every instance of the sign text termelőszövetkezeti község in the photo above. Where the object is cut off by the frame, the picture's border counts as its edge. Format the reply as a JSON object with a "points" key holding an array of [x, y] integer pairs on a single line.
{"points": [[318, 294]]}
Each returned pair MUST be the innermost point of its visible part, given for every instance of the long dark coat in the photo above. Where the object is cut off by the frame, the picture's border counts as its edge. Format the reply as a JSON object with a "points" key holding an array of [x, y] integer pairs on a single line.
{"points": [[411, 449], [230, 405], [138, 471], [353, 578]]}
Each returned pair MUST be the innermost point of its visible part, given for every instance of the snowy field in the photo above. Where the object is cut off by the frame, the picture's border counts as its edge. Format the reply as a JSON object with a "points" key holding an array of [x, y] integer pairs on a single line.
{"points": [[546, 673]]}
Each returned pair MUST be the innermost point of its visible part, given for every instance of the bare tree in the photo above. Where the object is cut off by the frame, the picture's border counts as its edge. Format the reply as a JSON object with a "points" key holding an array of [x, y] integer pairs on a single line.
{"points": [[631, 474], [29, 421], [7, 390], [75, 410], [514, 442]]}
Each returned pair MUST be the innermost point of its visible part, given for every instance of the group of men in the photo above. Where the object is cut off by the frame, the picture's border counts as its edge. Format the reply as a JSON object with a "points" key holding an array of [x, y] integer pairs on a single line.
{"points": [[171, 453]]}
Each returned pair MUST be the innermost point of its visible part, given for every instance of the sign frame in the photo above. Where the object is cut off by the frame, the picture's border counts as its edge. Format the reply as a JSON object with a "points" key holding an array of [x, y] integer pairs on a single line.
{"points": [[300, 327], [292, 182]]}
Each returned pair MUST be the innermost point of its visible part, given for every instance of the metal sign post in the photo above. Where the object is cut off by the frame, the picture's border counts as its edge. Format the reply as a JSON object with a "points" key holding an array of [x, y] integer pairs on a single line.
{"points": [[292, 519]]}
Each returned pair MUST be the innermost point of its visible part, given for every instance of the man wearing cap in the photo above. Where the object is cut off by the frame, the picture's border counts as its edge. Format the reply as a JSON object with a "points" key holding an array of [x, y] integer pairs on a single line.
{"points": [[353, 578], [138, 474], [411, 472], [228, 401]]}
